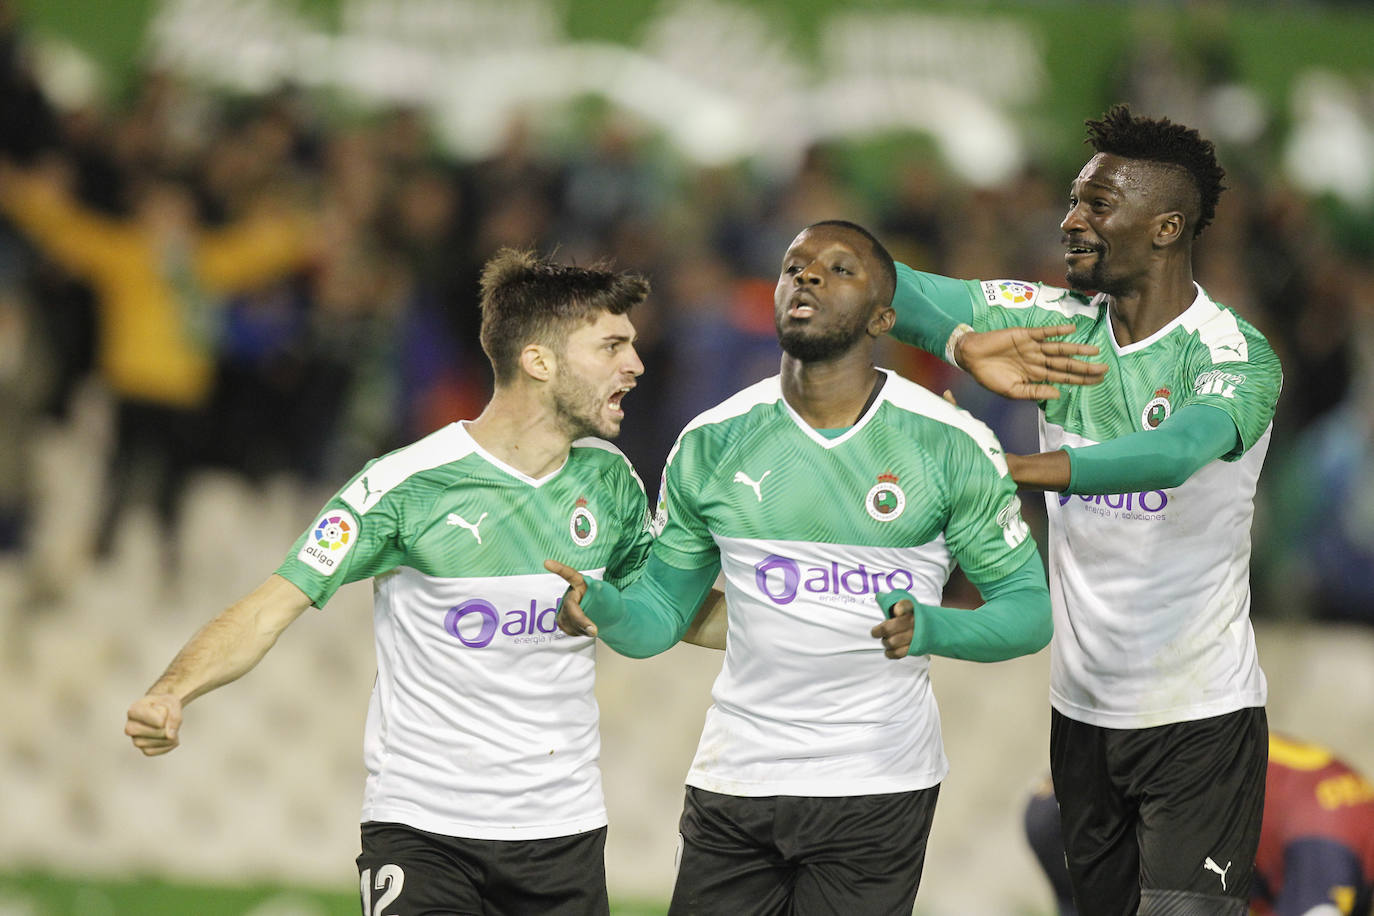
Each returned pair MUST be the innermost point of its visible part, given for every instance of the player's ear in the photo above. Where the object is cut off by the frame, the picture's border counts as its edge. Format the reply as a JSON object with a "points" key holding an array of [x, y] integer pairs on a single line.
{"points": [[882, 321], [538, 362], [1169, 228]]}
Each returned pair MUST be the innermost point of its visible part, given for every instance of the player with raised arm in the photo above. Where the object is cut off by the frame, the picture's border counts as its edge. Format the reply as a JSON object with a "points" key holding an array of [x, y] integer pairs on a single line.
{"points": [[824, 493], [1158, 737], [483, 793], [1316, 850]]}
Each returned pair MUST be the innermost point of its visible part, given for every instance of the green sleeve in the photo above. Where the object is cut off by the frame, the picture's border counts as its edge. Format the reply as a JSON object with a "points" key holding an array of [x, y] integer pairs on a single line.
{"points": [[1014, 619], [1155, 459], [651, 615], [929, 307]]}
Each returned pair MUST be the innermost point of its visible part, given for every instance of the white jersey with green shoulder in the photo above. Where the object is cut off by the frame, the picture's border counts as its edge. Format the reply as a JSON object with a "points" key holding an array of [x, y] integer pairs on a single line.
{"points": [[1151, 590], [808, 530], [483, 721]]}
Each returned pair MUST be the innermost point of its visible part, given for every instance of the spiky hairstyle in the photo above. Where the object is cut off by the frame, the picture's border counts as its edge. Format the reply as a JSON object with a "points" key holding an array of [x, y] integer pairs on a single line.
{"points": [[1120, 133], [528, 299]]}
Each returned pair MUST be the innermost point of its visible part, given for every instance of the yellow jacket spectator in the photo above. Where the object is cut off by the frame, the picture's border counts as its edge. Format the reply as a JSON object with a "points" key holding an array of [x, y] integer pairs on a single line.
{"points": [[157, 276]]}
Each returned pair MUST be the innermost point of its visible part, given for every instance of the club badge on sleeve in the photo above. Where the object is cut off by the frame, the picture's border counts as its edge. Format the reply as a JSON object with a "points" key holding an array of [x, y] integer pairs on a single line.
{"points": [[329, 541]]}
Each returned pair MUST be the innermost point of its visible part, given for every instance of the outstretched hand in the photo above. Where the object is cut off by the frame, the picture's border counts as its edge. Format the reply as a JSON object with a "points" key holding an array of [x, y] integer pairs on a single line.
{"points": [[1024, 363], [571, 619]]}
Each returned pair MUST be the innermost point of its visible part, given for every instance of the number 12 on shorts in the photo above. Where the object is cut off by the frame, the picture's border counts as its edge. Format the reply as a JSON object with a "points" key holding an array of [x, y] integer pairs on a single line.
{"points": [[390, 880]]}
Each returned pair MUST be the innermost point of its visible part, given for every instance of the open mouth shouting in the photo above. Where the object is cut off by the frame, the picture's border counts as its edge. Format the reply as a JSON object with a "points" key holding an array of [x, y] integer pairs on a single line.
{"points": [[613, 403]]}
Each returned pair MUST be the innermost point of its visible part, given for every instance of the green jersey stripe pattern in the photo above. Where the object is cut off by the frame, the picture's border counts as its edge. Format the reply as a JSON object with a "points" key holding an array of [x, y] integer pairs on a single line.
{"points": [[807, 530], [483, 722]]}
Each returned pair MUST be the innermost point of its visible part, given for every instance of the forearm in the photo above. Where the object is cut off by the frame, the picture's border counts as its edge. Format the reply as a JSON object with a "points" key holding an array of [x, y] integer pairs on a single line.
{"points": [[929, 308], [1155, 459], [711, 623], [233, 643], [653, 614], [1014, 620]]}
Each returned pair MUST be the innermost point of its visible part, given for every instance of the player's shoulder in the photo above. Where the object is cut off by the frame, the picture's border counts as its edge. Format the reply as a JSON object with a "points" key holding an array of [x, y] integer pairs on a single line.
{"points": [[1025, 294], [719, 427], [740, 407], [937, 424], [1224, 333], [604, 457], [423, 464]]}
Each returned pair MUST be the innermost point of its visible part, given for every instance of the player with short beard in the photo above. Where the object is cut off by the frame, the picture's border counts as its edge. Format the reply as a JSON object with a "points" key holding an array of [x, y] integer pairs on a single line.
{"points": [[1158, 736], [824, 494], [483, 792]]}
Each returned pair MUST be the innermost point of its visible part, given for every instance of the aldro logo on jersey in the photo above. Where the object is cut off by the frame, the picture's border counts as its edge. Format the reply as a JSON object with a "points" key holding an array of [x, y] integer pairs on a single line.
{"points": [[885, 501], [582, 525], [1157, 411], [475, 623], [781, 579]]}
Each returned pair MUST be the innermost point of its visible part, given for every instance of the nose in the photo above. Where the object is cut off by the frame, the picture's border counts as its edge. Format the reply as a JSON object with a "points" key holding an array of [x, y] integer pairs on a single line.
{"points": [[1073, 220], [810, 274], [634, 365]]}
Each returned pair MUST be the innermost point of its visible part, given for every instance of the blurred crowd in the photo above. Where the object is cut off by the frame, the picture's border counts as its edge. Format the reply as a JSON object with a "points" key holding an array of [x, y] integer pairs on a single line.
{"points": [[269, 286]]}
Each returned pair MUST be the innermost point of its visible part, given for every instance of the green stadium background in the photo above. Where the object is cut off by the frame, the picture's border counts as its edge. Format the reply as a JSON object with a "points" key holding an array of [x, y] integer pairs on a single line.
{"points": [[257, 812]]}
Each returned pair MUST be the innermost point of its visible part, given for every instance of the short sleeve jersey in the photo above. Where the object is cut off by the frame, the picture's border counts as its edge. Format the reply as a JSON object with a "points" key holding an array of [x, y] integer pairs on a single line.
{"points": [[1151, 590], [807, 531], [1317, 845], [483, 721]]}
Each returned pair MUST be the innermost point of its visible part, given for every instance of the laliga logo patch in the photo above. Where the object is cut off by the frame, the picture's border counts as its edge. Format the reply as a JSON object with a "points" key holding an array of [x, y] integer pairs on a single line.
{"points": [[330, 541], [582, 525], [1157, 411], [659, 519], [886, 500], [1009, 292]]}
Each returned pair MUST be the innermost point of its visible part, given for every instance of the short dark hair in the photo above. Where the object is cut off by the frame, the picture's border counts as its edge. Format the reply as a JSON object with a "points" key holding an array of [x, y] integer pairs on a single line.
{"points": [[528, 299], [1120, 133], [886, 265]]}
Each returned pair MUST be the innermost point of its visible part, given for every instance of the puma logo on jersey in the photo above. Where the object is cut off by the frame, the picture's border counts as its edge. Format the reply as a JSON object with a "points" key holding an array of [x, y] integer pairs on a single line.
{"points": [[741, 477], [456, 519], [1212, 866]]}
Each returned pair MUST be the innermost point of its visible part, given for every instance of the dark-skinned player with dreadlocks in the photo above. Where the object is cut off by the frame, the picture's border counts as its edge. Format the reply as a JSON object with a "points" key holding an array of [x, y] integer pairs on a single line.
{"points": [[1158, 737]]}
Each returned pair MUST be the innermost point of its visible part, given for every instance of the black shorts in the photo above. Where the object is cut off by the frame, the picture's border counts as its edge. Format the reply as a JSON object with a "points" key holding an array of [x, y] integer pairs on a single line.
{"points": [[403, 871], [1164, 819], [851, 855]]}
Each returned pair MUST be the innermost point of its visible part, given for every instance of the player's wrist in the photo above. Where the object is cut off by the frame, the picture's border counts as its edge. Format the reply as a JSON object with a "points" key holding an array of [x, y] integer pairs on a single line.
{"points": [[956, 337], [603, 604]]}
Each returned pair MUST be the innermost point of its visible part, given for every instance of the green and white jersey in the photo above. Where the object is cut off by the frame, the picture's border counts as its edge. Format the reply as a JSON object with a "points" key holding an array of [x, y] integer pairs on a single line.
{"points": [[1151, 590], [807, 531], [482, 722]]}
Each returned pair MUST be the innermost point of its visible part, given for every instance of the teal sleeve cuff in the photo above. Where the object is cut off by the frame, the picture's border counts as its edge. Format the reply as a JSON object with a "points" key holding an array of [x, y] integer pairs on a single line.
{"points": [[1013, 621], [1155, 459], [651, 615], [929, 307]]}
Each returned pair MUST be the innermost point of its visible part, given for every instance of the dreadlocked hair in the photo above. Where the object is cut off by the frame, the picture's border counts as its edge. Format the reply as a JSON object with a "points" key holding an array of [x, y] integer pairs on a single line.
{"points": [[1119, 133]]}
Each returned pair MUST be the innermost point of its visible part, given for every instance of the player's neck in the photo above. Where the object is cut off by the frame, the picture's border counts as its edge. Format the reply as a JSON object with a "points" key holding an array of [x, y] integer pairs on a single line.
{"points": [[1141, 311], [521, 433], [830, 394]]}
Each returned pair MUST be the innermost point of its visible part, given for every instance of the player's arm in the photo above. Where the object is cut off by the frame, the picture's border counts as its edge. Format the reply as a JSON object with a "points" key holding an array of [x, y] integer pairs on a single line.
{"points": [[225, 649], [711, 623], [1156, 459], [936, 314], [1014, 620], [646, 618]]}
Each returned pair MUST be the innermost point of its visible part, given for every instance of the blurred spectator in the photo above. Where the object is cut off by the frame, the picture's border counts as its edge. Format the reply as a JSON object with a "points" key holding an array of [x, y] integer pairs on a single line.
{"points": [[157, 277], [268, 361]]}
